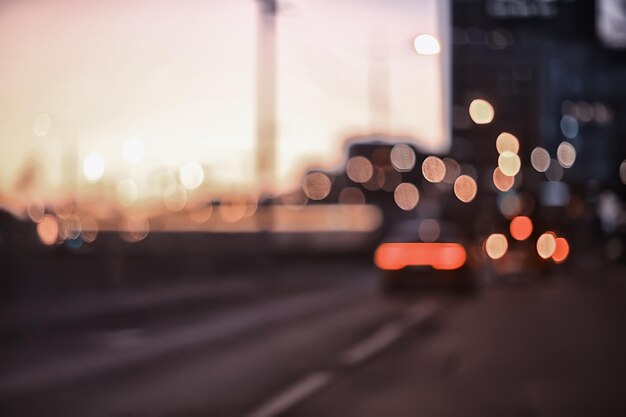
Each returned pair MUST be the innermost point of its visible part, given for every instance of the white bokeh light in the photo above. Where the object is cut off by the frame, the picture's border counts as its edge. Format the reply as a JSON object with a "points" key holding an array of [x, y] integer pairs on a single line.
{"points": [[426, 44], [93, 167], [191, 175]]}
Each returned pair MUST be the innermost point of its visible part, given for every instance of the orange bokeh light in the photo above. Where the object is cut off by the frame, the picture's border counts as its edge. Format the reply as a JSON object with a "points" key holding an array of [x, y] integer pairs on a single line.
{"points": [[521, 227], [48, 229], [501, 181], [562, 250], [445, 256]]}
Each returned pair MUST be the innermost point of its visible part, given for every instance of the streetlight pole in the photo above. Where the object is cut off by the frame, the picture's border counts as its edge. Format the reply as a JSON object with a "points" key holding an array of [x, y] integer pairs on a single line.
{"points": [[266, 96]]}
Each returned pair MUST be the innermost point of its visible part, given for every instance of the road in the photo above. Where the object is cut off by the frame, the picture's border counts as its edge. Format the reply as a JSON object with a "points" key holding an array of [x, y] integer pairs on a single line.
{"points": [[317, 338]]}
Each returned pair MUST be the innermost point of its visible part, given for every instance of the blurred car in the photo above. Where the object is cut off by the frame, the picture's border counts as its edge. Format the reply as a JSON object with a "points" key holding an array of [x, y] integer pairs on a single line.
{"points": [[520, 262], [530, 250], [430, 252]]}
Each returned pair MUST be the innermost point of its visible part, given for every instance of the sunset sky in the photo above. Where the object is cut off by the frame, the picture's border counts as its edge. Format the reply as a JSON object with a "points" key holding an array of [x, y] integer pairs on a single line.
{"points": [[86, 76]]}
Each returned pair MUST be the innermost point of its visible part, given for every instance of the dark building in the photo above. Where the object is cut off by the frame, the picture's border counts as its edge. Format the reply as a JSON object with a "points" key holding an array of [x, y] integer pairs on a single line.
{"points": [[552, 74]]}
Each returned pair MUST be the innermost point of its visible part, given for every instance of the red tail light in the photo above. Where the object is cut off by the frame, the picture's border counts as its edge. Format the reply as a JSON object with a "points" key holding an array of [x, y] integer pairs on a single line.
{"points": [[394, 256]]}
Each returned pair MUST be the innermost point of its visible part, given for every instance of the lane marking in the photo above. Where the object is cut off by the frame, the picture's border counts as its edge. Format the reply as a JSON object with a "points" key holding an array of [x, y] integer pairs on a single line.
{"points": [[389, 333], [413, 315], [367, 348], [292, 395]]}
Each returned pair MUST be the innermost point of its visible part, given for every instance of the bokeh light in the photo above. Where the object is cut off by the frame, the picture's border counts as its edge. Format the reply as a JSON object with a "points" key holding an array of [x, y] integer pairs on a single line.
{"points": [[74, 227], [133, 150], [465, 188], [566, 154], [510, 205], [496, 245], [376, 180], [63, 209], [601, 113], [507, 142], [521, 228], [351, 195], [233, 210], [584, 111], [48, 229], [201, 214], [569, 126], [406, 196], [509, 163], [453, 170], [89, 230], [63, 232], [93, 167], [134, 229], [561, 251], [426, 44], [540, 159], [622, 172], [127, 192], [554, 172], [36, 210], [546, 245], [359, 169], [175, 197], [429, 230], [316, 185], [392, 179], [252, 204], [481, 111], [402, 157], [191, 175], [501, 181], [434, 169]]}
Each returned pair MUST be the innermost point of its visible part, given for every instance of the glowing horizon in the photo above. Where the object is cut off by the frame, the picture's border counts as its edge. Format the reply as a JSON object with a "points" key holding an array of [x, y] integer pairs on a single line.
{"points": [[84, 78]]}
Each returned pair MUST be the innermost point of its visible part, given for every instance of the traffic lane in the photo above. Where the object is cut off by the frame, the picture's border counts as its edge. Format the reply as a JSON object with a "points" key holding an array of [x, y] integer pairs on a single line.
{"points": [[122, 317], [226, 376], [550, 348], [247, 282]]}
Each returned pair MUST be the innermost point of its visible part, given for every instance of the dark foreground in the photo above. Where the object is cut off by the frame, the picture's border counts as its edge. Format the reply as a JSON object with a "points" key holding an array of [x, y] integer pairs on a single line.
{"points": [[318, 339]]}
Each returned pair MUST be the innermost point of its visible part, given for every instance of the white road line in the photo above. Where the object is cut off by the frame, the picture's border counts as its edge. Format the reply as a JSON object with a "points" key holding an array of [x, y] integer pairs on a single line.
{"points": [[293, 395], [389, 333], [385, 336]]}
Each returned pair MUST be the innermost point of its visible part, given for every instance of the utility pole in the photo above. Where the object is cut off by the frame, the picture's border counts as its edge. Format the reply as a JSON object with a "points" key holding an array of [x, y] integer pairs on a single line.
{"points": [[266, 97]]}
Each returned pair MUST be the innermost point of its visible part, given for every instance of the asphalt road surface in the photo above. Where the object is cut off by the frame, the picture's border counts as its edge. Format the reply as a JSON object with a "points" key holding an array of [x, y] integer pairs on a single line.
{"points": [[317, 339]]}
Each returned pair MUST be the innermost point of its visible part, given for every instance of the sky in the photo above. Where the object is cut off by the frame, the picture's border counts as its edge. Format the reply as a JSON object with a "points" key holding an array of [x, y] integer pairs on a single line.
{"points": [[86, 76]]}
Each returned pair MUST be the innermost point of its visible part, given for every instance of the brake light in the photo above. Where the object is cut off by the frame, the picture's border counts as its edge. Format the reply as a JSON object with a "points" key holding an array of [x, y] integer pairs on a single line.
{"points": [[521, 227], [445, 256], [561, 251]]}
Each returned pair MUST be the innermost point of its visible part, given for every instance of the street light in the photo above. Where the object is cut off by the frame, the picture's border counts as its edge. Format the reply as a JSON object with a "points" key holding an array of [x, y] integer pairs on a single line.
{"points": [[426, 44]]}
